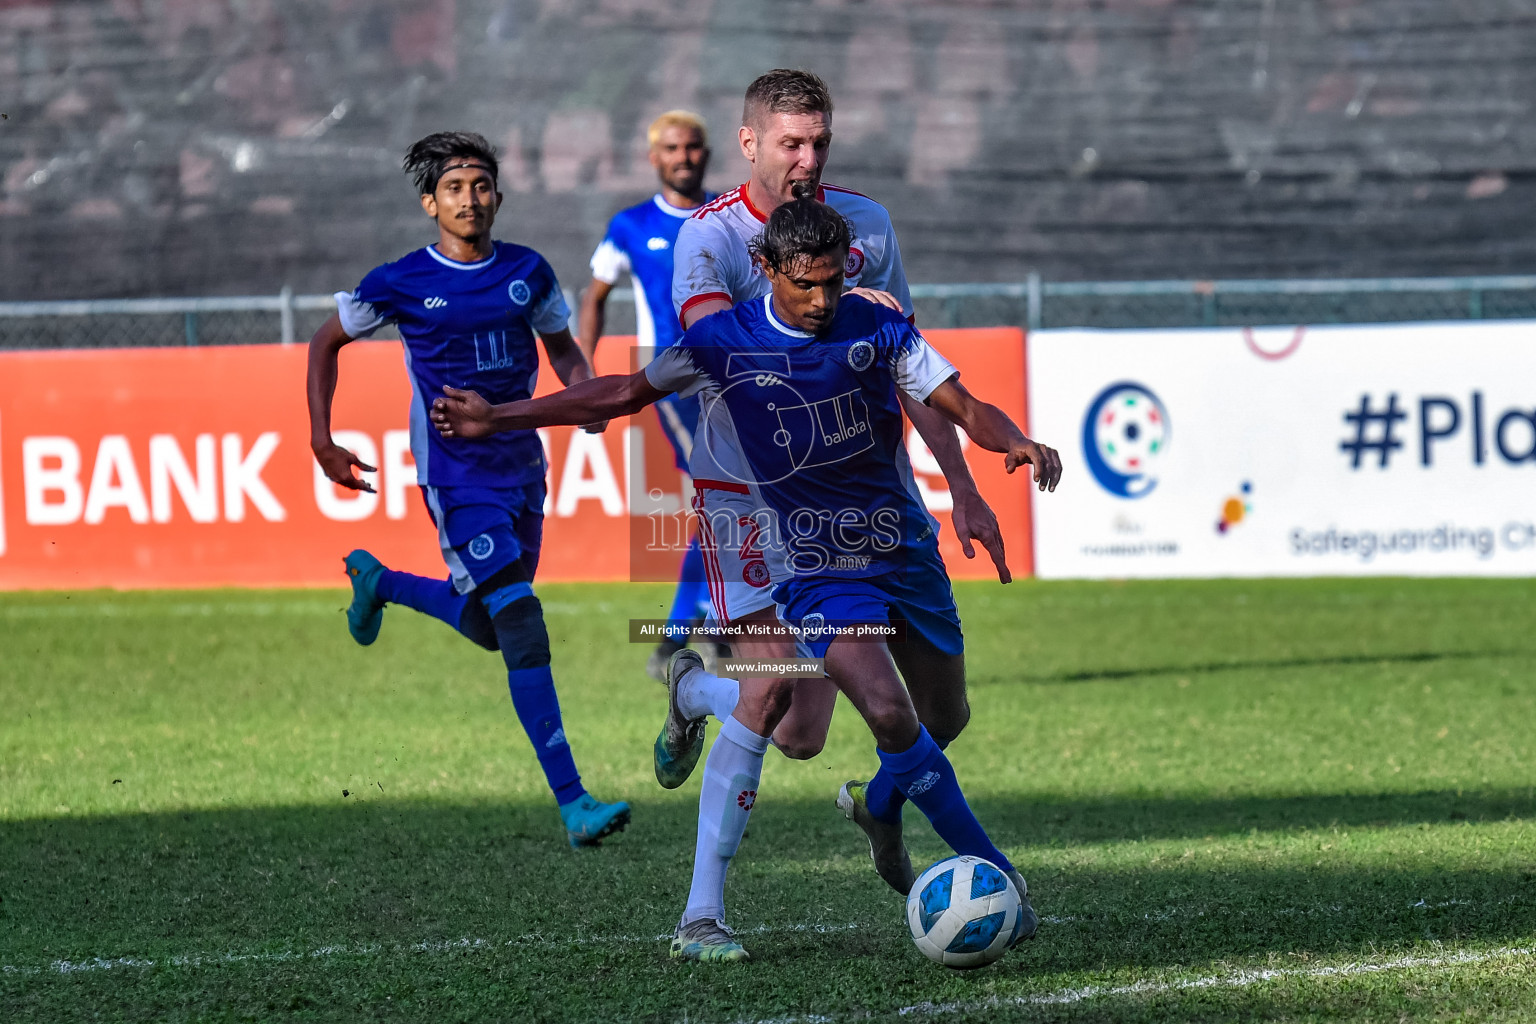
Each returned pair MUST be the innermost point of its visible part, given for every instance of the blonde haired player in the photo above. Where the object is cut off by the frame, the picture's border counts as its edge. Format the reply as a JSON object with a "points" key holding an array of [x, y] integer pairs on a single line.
{"points": [[639, 242]]}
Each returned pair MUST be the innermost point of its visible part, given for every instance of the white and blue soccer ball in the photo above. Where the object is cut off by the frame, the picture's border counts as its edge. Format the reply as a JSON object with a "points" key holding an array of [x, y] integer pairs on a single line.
{"points": [[963, 912]]}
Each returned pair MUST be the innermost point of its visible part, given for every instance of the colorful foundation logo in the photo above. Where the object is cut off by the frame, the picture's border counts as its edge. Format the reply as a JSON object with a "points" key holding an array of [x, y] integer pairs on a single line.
{"points": [[1125, 434], [1235, 509]]}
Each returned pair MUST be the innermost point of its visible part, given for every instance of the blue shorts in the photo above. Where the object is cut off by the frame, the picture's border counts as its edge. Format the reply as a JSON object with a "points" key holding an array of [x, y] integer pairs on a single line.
{"points": [[920, 594], [482, 530], [679, 420]]}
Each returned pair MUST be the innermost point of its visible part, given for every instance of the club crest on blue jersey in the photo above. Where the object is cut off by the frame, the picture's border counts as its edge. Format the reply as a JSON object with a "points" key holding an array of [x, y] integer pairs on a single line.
{"points": [[861, 355], [519, 292], [482, 547], [657, 244]]}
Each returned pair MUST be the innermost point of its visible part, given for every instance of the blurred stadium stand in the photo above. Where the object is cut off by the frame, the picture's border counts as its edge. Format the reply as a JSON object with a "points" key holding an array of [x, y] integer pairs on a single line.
{"points": [[216, 147]]}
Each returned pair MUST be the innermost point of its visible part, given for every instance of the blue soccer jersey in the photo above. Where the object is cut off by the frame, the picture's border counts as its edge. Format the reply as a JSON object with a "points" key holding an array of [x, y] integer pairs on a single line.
{"points": [[639, 242], [471, 326], [818, 422]]}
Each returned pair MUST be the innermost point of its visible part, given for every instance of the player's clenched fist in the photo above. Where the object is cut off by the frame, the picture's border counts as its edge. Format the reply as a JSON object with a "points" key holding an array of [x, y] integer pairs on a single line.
{"points": [[461, 414], [1043, 457]]}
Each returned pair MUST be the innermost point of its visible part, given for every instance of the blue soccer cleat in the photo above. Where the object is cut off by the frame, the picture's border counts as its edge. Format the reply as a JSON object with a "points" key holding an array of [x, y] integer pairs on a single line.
{"points": [[366, 612], [588, 821]]}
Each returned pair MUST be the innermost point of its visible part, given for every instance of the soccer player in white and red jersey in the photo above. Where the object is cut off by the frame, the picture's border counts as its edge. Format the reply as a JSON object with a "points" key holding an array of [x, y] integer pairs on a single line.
{"points": [[786, 136]]}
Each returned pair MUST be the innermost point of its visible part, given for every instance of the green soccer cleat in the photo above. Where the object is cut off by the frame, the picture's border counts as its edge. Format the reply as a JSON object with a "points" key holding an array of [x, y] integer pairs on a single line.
{"points": [[1029, 921], [681, 739], [708, 941], [366, 612], [588, 821], [886, 848]]}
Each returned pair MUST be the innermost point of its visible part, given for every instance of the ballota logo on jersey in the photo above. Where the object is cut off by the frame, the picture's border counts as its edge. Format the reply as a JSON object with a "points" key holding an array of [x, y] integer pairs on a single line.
{"points": [[855, 262]]}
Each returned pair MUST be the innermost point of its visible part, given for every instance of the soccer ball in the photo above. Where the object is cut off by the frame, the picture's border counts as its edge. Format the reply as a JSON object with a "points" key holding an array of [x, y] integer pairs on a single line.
{"points": [[963, 912]]}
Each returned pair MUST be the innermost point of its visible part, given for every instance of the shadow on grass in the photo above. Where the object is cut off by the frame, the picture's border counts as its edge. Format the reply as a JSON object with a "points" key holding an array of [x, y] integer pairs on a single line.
{"points": [[361, 909], [1066, 822], [1274, 664], [385, 871]]}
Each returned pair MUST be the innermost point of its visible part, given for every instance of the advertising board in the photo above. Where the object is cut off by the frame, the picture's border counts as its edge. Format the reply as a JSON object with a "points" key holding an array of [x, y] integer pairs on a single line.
{"points": [[1403, 449], [191, 467]]}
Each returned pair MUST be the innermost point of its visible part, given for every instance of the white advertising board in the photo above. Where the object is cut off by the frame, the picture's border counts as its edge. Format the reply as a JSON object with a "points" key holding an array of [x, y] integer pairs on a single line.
{"points": [[1390, 450]]}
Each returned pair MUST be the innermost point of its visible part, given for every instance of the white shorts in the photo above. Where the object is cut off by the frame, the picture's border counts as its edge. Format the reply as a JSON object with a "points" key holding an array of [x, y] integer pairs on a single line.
{"points": [[739, 567]]}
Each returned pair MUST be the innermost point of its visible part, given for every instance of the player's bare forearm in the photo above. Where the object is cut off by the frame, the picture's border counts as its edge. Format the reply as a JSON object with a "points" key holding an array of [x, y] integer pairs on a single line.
{"points": [[320, 390], [992, 429], [324, 369], [939, 435], [592, 317], [566, 357], [466, 414]]}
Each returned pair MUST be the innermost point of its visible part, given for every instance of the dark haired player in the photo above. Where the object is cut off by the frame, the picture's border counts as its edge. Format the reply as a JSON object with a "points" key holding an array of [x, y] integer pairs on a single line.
{"points": [[786, 136], [467, 309], [807, 385]]}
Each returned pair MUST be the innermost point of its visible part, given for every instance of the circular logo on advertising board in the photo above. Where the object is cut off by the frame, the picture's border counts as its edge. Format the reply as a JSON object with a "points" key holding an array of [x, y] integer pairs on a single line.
{"points": [[1125, 435]]}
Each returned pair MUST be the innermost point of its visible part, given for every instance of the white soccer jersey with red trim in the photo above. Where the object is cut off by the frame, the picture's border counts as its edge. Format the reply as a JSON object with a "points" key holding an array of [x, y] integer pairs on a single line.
{"points": [[710, 259]]}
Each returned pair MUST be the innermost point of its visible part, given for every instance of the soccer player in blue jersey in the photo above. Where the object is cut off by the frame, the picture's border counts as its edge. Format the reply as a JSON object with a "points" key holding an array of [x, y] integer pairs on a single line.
{"points": [[806, 380], [467, 309], [639, 242]]}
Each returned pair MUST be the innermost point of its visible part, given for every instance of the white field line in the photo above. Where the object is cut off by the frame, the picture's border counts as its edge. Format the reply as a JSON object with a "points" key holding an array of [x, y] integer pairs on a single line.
{"points": [[180, 610], [1236, 979], [98, 963], [209, 959]]}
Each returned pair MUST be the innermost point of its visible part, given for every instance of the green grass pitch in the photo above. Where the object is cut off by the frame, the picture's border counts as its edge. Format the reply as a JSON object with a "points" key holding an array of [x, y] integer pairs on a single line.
{"points": [[1272, 800]]}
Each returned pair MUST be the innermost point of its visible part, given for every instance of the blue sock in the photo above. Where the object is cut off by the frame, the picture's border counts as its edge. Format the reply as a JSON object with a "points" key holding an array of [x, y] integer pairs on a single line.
{"points": [[436, 598], [692, 592], [925, 775], [882, 796], [533, 696]]}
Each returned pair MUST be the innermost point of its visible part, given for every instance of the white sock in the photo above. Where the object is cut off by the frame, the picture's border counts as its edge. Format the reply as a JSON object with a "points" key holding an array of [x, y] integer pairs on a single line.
{"points": [[731, 774], [700, 694]]}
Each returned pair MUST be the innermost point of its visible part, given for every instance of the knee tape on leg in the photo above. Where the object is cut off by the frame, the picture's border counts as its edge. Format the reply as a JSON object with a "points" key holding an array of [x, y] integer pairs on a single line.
{"points": [[498, 598], [520, 629]]}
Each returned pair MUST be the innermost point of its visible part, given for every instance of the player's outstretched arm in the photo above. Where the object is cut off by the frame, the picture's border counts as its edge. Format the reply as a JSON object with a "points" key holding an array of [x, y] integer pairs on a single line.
{"points": [[466, 414], [991, 428], [320, 387]]}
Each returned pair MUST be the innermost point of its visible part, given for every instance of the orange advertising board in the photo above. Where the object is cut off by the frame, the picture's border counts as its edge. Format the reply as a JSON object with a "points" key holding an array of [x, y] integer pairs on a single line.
{"points": [[191, 467]]}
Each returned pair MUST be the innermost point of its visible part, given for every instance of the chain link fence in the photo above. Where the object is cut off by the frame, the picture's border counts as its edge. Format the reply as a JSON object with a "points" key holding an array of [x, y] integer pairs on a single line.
{"points": [[1034, 303]]}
